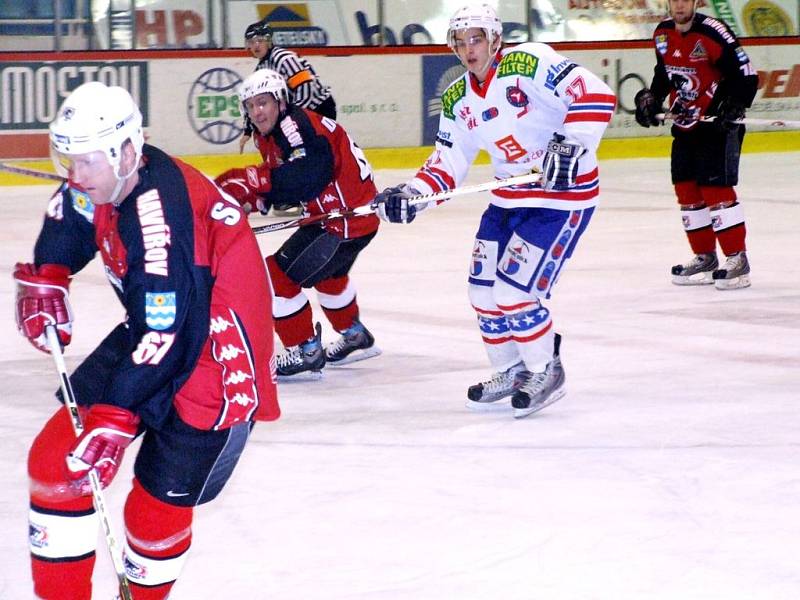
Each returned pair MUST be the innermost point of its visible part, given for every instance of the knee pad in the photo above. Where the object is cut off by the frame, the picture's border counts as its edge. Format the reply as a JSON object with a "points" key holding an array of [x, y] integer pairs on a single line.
{"points": [[158, 536], [49, 486], [282, 284]]}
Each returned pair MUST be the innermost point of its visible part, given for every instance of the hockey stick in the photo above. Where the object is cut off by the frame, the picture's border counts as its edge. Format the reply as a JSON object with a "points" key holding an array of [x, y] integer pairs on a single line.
{"points": [[29, 172], [438, 197], [94, 481], [779, 123]]}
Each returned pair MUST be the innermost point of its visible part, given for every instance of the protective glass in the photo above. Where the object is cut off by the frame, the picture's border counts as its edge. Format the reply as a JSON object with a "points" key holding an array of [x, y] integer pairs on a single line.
{"points": [[254, 41], [473, 40], [261, 101], [83, 165]]}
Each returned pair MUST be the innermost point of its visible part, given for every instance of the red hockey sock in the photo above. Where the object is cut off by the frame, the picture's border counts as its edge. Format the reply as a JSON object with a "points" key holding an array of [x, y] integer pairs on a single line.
{"points": [[337, 297], [63, 526], [158, 537]]}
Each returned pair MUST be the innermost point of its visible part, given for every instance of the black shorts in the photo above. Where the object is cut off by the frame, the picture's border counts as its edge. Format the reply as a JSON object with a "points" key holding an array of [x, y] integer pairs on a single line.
{"points": [[312, 255], [184, 466], [706, 155]]}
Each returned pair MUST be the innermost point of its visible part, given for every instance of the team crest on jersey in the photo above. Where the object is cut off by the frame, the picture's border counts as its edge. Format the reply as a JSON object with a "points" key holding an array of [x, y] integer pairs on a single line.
{"points": [[82, 205], [299, 153], [661, 44], [516, 97], [517, 64], [698, 52], [451, 96], [160, 309]]}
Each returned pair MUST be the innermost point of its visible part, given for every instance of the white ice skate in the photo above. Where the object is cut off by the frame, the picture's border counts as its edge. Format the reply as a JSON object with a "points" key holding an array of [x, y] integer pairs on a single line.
{"points": [[697, 271], [541, 389], [484, 396], [734, 274]]}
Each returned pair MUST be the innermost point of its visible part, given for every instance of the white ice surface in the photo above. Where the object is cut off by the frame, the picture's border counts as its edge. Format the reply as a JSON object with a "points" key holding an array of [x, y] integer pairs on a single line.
{"points": [[670, 471]]}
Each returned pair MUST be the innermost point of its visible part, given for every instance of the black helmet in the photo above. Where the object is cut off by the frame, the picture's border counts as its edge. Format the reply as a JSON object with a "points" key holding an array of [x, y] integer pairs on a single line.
{"points": [[258, 29]]}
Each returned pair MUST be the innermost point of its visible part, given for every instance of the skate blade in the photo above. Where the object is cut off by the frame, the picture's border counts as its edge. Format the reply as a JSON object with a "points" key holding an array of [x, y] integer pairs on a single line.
{"points": [[552, 399], [289, 212], [736, 283], [302, 376], [356, 356], [499, 405], [696, 279]]}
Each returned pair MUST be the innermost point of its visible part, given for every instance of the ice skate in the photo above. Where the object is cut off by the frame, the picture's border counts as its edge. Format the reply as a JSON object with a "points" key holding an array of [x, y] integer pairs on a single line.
{"points": [[303, 362], [734, 274], [541, 389], [697, 271], [356, 343], [287, 210], [482, 396]]}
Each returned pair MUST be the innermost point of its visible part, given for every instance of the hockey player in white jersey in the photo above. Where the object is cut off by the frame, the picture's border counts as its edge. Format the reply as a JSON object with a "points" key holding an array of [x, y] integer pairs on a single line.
{"points": [[530, 109]]}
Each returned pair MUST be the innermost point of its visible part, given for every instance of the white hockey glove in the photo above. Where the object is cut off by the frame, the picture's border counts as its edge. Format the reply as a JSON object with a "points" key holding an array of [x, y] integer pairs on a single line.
{"points": [[560, 164], [392, 204]]}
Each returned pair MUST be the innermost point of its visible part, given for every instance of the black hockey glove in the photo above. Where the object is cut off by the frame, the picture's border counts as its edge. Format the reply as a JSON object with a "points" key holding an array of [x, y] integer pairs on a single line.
{"points": [[560, 166], [647, 107], [729, 112], [392, 204]]}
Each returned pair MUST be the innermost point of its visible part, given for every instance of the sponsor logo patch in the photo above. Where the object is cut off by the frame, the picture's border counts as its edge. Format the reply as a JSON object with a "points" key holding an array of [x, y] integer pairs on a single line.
{"points": [[160, 309]]}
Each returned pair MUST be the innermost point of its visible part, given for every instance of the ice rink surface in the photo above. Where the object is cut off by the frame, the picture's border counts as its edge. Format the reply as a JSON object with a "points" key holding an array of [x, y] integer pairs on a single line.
{"points": [[670, 471]]}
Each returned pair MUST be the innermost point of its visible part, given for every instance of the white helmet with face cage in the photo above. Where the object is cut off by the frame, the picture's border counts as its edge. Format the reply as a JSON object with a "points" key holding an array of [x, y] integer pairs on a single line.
{"points": [[480, 16], [96, 117]]}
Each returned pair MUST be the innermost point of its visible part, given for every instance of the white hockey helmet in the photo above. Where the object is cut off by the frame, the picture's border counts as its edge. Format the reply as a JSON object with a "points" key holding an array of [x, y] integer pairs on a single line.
{"points": [[263, 81], [481, 16], [96, 117]]}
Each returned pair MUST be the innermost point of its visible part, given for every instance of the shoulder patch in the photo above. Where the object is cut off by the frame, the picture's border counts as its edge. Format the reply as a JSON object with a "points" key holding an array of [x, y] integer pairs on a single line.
{"points": [[160, 309], [82, 205], [517, 64], [455, 92]]}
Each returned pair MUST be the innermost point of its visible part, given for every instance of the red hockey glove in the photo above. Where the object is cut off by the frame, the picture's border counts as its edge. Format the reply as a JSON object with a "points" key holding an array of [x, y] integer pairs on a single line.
{"points": [[246, 185], [108, 430], [42, 300]]}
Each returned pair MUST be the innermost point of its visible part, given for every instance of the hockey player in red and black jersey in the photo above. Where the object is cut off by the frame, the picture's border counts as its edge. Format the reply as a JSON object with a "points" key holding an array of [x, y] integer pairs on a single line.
{"points": [[308, 160], [703, 72], [188, 370]]}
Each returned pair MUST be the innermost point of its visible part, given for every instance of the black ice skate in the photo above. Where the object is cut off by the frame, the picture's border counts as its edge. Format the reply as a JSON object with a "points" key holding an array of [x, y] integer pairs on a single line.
{"points": [[734, 274], [356, 343], [541, 389], [303, 362], [481, 396], [697, 271]]}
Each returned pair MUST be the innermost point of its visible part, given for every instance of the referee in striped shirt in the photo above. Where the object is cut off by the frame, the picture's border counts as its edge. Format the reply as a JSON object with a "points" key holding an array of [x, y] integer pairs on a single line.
{"points": [[305, 88]]}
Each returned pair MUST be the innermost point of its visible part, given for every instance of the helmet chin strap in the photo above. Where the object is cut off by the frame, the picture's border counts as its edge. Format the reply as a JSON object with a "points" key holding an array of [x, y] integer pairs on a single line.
{"points": [[492, 53], [121, 180]]}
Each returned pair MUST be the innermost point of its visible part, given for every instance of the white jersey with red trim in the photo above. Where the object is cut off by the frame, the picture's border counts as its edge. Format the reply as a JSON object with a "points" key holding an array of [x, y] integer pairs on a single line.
{"points": [[530, 93]]}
